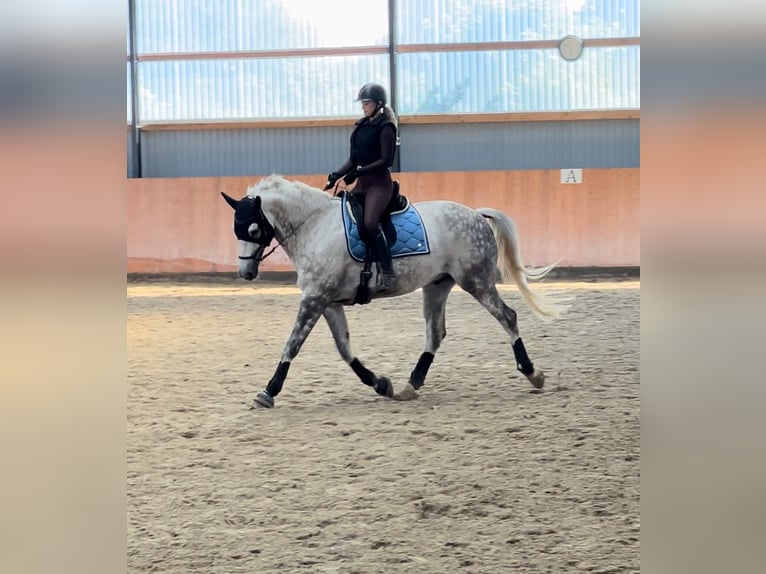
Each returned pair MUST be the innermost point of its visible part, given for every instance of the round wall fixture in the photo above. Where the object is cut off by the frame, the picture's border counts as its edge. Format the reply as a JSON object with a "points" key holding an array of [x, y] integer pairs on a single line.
{"points": [[570, 48]]}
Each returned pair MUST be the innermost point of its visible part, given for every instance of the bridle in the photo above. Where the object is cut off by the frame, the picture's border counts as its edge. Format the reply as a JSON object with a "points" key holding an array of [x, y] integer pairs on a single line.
{"points": [[247, 213], [266, 232], [257, 253]]}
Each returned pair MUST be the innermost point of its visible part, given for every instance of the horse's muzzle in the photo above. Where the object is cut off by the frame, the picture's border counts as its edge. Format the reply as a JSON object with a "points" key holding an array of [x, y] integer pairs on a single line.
{"points": [[248, 272], [248, 267]]}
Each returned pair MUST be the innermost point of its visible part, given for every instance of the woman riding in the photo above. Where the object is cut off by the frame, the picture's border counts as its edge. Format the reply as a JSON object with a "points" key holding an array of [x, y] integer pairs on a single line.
{"points": [[373, 145]]}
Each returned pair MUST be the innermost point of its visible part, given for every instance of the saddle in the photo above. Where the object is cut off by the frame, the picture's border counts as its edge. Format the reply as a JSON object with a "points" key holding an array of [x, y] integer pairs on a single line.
{"points": [[398, 203]]}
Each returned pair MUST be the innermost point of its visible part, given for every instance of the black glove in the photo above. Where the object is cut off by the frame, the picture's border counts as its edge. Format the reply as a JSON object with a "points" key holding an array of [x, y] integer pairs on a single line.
{"points": [[331, 179], [351, 176]]}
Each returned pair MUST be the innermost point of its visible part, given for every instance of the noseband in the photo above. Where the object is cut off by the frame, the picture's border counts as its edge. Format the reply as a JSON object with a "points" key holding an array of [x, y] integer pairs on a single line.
{"points": [[257, 254]]}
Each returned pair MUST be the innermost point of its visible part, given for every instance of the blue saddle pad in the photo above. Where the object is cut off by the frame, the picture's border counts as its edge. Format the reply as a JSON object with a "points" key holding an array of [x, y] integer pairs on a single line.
{"points": [[411, 236]]}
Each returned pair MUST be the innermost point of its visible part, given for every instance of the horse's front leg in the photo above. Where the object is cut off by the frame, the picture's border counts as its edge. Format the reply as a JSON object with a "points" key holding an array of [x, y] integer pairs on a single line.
{"points": [[311, 308], [336, 320]]}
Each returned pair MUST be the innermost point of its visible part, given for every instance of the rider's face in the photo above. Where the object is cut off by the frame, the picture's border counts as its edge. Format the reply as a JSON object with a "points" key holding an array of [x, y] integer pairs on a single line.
{"points": [[368, 107]]}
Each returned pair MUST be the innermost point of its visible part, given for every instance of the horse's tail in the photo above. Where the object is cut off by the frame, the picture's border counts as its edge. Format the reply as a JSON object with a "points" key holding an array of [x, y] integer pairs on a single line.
{"points": [[511, 265]]}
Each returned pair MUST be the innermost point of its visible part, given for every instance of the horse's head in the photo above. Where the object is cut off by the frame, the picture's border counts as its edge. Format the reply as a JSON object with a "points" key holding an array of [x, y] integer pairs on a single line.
{"points": [[253, 231]]}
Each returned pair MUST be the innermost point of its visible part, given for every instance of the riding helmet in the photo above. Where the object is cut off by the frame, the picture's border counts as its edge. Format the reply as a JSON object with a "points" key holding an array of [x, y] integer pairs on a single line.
{"points": [[374, 92]]}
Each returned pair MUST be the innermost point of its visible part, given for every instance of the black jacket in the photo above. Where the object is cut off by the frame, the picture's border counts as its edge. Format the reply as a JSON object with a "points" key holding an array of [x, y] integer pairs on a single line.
{"points": [[367, 143]]}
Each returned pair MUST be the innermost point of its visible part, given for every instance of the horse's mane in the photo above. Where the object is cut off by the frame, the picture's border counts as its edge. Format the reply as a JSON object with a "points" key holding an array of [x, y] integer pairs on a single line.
{"points": [[277, 184]]}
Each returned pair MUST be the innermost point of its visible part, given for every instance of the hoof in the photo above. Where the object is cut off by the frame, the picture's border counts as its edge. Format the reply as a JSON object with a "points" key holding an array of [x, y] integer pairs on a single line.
{"points": [[407, 394], [384, 387], [263, 400], [537, 379]]}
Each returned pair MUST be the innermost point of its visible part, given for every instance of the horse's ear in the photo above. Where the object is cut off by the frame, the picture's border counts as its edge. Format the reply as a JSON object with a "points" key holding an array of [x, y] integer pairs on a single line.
{"points": [[257, 202], [231, 201]]}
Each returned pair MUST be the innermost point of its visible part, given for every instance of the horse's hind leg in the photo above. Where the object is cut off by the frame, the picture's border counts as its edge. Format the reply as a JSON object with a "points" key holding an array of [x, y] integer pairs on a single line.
{"points": [[488, 296], [434, 306], [336, 319]]}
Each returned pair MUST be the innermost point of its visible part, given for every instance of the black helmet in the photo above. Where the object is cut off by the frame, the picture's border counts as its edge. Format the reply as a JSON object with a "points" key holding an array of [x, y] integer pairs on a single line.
{"points": [[374, 92]]}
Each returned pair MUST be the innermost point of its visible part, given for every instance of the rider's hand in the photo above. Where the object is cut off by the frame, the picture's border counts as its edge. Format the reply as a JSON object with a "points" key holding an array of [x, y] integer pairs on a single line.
{"points": [[331, 179], [351, 176]]}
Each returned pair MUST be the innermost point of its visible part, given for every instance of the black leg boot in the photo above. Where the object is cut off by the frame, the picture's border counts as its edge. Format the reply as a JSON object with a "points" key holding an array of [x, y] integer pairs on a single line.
{"points": [[382, 253]]}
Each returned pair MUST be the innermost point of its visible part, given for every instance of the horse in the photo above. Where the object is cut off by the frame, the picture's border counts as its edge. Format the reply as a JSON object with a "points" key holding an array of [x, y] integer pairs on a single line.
{"points": [[465, 247]]}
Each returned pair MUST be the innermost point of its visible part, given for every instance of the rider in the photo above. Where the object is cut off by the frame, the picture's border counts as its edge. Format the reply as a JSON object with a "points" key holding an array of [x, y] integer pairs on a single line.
{"points": [[373, 145]]}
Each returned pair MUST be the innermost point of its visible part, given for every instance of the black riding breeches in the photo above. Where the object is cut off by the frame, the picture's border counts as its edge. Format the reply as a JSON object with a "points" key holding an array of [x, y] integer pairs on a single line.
{"points": [[378, 189]]}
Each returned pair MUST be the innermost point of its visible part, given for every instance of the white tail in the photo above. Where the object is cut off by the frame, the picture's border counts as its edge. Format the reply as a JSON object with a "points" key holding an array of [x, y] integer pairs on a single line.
{"points": [[511, 265]]}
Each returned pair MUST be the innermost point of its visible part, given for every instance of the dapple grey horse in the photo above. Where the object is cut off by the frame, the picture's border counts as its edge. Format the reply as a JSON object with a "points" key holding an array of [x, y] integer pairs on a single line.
{"points": [[466, 247]]}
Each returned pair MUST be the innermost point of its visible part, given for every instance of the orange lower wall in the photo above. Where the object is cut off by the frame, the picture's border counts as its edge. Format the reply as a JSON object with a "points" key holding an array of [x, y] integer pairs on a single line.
{"points": [[183, 224]]}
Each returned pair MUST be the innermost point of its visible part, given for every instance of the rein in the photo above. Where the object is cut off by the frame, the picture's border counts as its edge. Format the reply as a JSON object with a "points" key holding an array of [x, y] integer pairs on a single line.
{"points": [[258, 257], [257, 254]]}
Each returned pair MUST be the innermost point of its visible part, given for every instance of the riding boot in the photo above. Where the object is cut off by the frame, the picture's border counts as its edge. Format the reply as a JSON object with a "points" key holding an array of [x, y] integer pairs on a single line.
{"points": [[382, 253]]}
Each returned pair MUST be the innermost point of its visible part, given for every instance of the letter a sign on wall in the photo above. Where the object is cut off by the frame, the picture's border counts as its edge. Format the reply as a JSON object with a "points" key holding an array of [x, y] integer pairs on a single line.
{"points": [[571, 176]]}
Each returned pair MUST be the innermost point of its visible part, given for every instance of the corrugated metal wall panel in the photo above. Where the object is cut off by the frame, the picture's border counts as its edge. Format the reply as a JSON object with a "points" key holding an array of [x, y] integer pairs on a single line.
{"points": [[253, 89], [227, 25], [466, 147], [603, 78], [518, 81], [523, 145], [243, 152], [129, 145], [529, 80], [447, 21]]}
